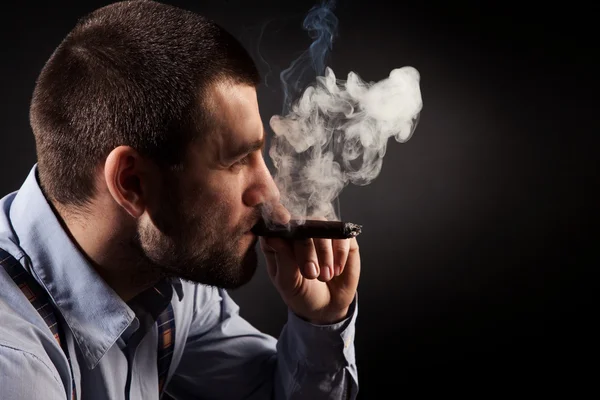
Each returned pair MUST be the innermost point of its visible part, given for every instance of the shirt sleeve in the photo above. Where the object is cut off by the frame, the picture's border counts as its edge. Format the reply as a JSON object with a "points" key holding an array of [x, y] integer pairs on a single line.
{"points": [[225, 357], [25, 376]]}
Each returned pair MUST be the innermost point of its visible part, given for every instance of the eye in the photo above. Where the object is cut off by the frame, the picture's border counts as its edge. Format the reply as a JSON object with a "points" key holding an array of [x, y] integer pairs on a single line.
{"points": [[240, 163]]}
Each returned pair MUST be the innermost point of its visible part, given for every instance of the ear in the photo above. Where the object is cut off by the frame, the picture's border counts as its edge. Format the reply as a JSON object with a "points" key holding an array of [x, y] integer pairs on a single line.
{"points": [[124, 172]]}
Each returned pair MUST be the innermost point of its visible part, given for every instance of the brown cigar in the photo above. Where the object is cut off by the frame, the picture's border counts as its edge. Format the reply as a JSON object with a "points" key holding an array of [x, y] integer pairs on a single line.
{"points": [[308, 229]]}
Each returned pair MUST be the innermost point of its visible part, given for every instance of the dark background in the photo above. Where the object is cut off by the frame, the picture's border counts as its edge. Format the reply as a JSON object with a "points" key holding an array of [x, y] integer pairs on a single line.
{"points": [[479, 232]]}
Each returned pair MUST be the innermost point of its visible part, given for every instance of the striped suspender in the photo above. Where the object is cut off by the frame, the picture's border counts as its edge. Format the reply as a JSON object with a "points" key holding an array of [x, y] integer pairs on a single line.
{"points": [[166, 344], [39, 300]]}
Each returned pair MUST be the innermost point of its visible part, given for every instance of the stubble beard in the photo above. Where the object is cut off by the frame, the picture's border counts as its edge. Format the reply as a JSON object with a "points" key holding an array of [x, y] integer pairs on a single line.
{"points": [[217, 263], [191, 247]]}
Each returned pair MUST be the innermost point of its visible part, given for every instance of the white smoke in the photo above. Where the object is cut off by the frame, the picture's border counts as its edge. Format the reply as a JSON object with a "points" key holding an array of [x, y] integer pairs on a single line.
{"points": [[337, 133]]}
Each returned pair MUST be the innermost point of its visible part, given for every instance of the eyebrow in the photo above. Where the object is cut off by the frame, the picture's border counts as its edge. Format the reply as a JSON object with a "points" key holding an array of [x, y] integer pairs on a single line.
{"points": [[250, 147]]}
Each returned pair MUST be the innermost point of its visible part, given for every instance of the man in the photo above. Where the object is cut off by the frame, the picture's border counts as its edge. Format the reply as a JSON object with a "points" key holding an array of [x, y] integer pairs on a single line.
{"points": [[136, 220]]}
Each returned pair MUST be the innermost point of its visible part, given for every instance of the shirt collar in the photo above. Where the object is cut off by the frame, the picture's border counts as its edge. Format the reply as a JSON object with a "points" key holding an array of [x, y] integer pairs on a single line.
{"points": [[96, 315]]}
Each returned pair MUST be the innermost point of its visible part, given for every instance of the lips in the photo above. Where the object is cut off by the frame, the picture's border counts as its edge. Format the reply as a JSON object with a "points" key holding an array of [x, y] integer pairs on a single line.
{"points": [[253, 226]]}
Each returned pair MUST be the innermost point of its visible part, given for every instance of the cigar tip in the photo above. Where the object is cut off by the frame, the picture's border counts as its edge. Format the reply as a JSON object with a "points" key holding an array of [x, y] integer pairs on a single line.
{"points": [[352, 229]]}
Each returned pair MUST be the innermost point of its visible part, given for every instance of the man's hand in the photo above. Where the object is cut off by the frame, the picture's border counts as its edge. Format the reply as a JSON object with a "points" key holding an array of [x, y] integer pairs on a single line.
{"points": [[317, 278]]}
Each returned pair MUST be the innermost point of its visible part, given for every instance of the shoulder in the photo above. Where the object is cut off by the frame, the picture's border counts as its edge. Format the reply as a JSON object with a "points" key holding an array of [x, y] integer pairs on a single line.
{"points": [[26, 375], [22, 326], [24, 336], [24, 362], [28, 355]]}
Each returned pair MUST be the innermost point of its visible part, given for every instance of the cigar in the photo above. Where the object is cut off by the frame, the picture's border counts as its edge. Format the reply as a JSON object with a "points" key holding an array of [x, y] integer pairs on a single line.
{"points": [[296, 229]]}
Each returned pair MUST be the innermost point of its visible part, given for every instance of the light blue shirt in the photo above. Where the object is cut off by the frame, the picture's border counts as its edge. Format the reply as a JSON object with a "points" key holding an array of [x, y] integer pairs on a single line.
{"points": [[113, 345]]}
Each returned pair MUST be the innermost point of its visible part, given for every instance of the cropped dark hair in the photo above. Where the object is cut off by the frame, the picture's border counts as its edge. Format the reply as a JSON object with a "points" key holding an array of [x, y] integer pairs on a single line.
{"points": [[131, 73]]}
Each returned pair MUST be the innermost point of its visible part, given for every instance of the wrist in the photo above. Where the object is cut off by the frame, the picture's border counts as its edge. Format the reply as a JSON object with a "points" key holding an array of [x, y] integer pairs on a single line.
{"points": [[321, 347], [325, 316], [328, 318]]}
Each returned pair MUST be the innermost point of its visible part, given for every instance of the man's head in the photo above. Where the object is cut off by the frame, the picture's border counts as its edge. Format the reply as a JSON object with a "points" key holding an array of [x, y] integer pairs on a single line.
{"points": [[147, 114]]}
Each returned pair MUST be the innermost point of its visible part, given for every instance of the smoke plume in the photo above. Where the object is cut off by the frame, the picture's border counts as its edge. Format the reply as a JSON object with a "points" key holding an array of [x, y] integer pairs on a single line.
{"points": [[333, 132]]}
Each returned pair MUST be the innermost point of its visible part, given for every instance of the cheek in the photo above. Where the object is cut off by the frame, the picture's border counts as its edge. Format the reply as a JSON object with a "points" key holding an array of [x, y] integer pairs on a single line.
{"points": [[223, 203]]}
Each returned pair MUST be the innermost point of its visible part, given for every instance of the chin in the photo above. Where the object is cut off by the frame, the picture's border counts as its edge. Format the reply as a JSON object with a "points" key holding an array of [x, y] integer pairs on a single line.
{"points": [[234, 271], [229, 265]]}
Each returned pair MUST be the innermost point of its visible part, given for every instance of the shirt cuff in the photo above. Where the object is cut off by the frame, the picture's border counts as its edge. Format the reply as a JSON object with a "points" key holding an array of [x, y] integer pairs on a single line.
{"points": [[323, 346]]}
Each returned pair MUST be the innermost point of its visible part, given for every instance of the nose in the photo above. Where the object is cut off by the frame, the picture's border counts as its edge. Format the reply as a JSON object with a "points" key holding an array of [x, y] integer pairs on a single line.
{"points": [[261, 190]]}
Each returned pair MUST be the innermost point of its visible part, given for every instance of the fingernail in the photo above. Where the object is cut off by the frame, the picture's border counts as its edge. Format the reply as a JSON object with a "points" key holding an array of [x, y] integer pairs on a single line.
{"points": [[312, 269], [327, 273], [336, 270]]}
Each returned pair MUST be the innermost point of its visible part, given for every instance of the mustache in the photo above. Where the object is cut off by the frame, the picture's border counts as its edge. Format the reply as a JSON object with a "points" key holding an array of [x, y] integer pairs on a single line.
{"points": [[252, 220]]}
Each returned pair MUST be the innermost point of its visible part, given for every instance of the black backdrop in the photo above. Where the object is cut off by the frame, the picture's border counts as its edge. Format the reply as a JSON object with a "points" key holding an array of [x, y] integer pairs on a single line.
{"points": [[478, 233]]}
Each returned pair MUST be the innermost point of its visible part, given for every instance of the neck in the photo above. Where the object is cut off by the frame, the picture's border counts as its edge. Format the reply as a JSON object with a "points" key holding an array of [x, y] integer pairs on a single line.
{"points": [[107, 243]]}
